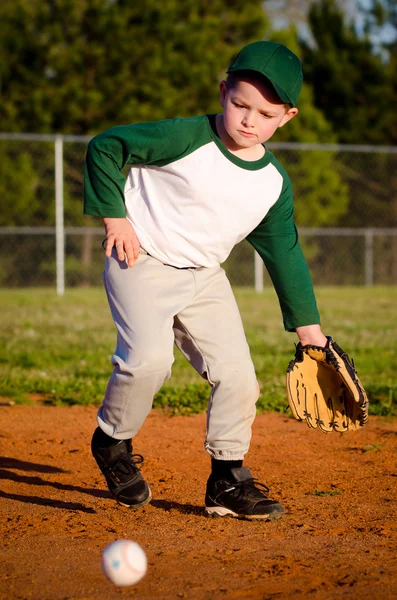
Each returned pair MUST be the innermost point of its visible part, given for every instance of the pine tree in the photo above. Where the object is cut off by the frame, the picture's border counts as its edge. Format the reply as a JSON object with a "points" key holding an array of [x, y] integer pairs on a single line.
{"points": [[352, 85]]}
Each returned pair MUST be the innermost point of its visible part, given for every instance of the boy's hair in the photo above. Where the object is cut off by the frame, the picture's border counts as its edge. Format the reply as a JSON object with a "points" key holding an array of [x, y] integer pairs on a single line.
{"points": [[235, 76]]}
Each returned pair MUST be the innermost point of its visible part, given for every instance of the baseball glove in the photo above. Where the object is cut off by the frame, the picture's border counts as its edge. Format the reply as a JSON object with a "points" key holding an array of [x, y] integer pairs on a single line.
{"points": [[324, 390]]}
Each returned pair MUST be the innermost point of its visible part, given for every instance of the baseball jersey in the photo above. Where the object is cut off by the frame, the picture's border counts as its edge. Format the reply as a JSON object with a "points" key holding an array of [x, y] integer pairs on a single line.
{"points": [[191, 201]]}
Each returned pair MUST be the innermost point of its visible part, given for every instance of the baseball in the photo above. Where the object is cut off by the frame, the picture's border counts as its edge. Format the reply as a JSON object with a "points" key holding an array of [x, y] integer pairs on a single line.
{"points": [[124, 562]]}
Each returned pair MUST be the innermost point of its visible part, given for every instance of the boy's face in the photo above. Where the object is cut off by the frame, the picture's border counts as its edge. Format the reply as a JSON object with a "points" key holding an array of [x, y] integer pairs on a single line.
{"points": [[252, 113]]}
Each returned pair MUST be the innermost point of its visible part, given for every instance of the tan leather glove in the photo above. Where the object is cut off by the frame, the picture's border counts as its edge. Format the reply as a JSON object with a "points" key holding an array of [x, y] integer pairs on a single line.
{"points": [[324, 390]]}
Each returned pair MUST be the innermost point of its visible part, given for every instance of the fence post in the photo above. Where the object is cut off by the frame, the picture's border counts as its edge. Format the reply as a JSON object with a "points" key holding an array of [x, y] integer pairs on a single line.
{"points": [[59, 225], [258, 272], [369, 257]]}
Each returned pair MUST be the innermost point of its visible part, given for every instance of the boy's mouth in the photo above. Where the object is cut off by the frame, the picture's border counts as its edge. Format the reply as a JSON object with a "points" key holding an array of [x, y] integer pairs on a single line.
{"points": [[247, 133]]}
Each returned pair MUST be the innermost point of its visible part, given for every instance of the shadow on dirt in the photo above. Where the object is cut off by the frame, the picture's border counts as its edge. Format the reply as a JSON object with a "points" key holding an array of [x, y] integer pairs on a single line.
{"points": [[23, 465], [35, 480], [186, 509], [73, 506]]}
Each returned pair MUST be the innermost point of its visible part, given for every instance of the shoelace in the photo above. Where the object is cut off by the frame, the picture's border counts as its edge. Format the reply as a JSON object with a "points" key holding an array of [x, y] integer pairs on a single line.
{"points": [[254, 487], [126, 463]]}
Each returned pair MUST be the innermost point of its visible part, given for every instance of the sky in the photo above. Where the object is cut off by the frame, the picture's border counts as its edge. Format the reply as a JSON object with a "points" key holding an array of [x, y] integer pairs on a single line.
{"points": [[284, 12]]}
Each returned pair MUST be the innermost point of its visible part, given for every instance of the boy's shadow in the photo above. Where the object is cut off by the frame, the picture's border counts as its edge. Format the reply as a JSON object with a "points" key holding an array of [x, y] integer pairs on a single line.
{"points": [[15, 464], [186, 509], [30, 467], [73, 506], [22, 465]]}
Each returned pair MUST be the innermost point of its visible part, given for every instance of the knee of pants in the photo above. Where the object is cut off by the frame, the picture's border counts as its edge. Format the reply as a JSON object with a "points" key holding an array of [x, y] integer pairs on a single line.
{"points": [[143, 365], [239, 377]]}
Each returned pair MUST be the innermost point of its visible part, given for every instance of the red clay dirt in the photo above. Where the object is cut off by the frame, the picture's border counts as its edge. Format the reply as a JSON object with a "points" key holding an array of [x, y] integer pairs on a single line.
{"points": [[339, 539]]}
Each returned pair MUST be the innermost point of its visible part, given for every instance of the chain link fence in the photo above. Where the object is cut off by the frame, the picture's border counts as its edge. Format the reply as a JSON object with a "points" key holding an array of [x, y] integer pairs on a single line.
{"points": [[348, 194]]}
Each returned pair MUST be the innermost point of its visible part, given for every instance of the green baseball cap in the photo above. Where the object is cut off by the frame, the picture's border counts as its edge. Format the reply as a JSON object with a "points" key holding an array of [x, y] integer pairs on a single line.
{"points": [[275, 62]]}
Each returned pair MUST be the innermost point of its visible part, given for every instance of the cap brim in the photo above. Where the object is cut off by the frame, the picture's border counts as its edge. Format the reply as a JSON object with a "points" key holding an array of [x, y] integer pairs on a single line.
{"points": [[280, 93]]}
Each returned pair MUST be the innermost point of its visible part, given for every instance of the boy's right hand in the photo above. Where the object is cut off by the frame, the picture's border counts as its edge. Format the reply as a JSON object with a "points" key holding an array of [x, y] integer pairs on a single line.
{"points": [[120, 233]]}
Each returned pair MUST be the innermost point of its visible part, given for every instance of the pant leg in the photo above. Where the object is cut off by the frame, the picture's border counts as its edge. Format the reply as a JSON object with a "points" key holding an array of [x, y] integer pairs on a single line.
{"points": [[209, 332], [143, 302]]}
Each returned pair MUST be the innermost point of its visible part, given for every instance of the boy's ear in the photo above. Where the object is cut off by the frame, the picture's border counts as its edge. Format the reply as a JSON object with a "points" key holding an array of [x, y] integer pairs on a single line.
{"points": [[222, 92], [290, 114]]}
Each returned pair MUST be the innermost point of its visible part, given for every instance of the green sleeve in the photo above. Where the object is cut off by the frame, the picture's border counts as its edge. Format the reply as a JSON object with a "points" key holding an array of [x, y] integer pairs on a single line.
{"points": [[276, 241], [156, 143]]}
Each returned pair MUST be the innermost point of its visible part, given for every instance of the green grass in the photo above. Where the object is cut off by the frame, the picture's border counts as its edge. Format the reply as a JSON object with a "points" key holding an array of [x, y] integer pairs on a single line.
{"points": [[59, 349], [327, 492]]}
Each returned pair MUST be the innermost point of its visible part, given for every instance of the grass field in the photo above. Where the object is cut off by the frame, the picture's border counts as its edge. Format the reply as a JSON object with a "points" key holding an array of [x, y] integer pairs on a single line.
{"points": [[58, 349]]}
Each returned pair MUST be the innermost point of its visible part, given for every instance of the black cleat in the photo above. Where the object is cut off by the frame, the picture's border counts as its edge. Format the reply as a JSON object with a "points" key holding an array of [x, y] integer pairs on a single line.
{"points": [[118, 464], [240, 496]]}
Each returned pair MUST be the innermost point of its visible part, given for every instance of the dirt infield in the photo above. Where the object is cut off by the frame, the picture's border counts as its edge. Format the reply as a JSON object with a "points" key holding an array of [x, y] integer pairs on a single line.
{"points": [[339, 539]]}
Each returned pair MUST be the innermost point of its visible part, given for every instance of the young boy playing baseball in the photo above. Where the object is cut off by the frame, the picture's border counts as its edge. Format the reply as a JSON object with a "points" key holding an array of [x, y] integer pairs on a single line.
{"points": [[197, 187]]}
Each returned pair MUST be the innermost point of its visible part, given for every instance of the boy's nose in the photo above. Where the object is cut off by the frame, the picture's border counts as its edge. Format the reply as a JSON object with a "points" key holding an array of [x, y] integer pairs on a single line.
{"points": [[248, 120]]}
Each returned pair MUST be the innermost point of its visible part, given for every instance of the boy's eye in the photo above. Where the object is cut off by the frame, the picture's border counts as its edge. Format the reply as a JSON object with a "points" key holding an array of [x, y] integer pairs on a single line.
{"points": [[239, 105]]}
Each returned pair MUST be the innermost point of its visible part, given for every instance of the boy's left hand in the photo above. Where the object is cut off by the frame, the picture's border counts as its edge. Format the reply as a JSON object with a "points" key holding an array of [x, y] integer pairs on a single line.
{"points": [[324, 390], [311, 335]]}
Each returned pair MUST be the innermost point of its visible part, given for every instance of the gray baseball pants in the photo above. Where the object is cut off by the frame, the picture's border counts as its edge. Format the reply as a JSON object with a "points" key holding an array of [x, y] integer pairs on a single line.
{"points": [[154, 306]]}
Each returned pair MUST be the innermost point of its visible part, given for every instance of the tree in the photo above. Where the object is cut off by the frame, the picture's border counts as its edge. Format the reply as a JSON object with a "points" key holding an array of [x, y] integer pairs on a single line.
{"points": [[81, 66], [355, 86], [18, 184], [116, 61], [352, 85], [320, 195], [119, 61]]}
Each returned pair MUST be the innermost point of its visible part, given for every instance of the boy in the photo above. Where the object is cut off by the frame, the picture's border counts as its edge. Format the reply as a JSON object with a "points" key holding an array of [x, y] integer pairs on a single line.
{"points": [[196, 188]]}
